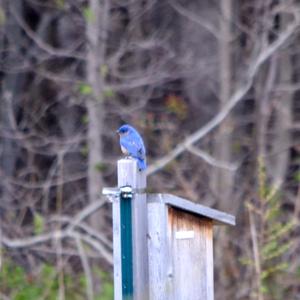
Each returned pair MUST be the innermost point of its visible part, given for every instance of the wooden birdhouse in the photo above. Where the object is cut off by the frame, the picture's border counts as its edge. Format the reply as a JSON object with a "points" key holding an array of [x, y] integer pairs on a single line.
{"points": [[163, 244], [180, 247]]}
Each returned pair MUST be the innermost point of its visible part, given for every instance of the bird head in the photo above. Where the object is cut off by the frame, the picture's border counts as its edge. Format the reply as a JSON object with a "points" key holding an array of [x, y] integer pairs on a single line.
{"points": [[124, 129]]}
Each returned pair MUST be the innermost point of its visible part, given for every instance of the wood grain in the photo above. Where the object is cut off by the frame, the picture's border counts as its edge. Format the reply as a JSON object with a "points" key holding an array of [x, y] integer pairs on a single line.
{"points": [[219, 217], [180, 254], [128, 174], [192, 257]]}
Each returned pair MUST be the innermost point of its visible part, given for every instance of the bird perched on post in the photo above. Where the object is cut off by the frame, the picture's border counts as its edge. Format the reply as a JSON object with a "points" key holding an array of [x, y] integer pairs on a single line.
{"points": [[132, 145]]}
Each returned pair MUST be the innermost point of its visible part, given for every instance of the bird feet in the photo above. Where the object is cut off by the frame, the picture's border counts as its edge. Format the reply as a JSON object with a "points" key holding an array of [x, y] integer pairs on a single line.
{"points": [[128, 157]]}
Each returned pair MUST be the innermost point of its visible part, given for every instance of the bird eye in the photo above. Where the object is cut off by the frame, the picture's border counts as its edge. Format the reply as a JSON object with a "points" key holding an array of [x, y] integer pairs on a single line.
{"points": [[123, 130]]}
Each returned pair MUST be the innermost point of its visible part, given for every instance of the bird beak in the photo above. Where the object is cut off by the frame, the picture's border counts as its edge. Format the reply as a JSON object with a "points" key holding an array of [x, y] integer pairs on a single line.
{"points": [[117, 131]]}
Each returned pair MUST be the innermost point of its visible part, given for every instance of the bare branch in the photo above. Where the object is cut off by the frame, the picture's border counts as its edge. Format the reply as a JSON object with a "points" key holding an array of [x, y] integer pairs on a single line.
{"points": [[86, 268], [211, 160], [44, 46], [255, 249], [234, 99], [84, 226], [69, 232], [33, 240], [54, 235], [194, 18], [88, 210]]}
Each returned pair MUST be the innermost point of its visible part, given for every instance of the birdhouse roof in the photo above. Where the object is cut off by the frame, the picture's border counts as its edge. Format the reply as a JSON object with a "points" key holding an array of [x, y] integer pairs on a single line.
{"points": [[219, 217]]}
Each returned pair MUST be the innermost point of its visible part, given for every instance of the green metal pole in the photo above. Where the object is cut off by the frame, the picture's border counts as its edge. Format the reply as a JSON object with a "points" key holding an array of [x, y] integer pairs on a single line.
{"points": [[126, 245]]}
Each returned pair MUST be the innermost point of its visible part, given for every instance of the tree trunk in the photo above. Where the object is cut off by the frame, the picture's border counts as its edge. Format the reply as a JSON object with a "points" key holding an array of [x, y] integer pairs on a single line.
{"points": [[11, 90], [96, 32], [281, 141], [222, 180]]}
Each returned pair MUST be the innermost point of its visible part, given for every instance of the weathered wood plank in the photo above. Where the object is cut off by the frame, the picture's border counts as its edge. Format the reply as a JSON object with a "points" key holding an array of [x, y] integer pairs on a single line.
{"points": [[192, 256], [159, 257], [217, 216], [180, 254], [128, 174], [117, 249]]}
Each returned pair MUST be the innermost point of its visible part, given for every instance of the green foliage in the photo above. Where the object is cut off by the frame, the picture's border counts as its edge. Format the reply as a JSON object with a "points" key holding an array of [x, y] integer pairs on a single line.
{"points": [[175, 104], [297, 176], [100, 167], [60, 3], [85, 89], [298, 272], [84, 151], [2, 17], [18, 284], [15, 282], [108, 93], [107, 289], [85, 119], [271, 238], [89, 15], [236, 147], [38, 223], [104, 70]]}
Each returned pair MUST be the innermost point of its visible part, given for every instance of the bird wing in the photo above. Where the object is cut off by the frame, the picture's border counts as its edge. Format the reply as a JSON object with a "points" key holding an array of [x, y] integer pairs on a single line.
{"points": [[134, 145]]}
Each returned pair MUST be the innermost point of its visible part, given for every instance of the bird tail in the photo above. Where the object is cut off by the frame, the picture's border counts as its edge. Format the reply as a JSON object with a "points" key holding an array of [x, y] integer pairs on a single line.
{"points": [[142, 164]]}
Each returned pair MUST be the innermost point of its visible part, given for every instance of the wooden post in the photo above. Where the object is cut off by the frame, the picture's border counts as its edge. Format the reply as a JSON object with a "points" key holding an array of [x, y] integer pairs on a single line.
{"points": [[129, 175], [163, 244]]}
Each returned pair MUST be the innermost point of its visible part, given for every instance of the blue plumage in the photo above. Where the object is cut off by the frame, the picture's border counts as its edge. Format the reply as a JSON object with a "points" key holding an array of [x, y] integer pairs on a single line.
{"points": [[132, 145]]}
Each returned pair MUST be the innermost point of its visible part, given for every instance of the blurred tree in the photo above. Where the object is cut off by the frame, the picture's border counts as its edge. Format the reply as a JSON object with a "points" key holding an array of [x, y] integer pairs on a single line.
{"points": [[212, 85]]}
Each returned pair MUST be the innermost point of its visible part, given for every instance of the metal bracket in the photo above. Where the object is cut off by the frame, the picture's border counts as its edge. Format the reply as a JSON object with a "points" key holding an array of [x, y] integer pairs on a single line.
{"points": [[115, 193], [126, 192]]}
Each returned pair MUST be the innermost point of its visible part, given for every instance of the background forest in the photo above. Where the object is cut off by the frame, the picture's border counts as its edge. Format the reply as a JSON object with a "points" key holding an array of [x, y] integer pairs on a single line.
{"points": [[213, 86]]}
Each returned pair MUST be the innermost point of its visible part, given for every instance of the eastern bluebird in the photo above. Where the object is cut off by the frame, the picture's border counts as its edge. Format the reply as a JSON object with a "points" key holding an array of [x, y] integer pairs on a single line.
{"points": [[132, 145]]}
